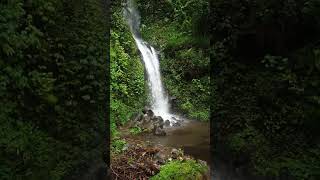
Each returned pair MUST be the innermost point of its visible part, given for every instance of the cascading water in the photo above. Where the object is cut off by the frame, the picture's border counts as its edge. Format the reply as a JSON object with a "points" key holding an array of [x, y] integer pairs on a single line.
{"points": [[159, 103]]}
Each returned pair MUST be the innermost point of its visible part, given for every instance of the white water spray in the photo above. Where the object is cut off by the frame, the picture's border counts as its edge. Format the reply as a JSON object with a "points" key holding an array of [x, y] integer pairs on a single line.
{"points": [[159, 103]]}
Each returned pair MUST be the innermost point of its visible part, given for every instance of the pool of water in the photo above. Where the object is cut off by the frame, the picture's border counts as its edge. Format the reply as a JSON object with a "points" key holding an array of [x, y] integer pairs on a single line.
{"points": [[192, 136]]}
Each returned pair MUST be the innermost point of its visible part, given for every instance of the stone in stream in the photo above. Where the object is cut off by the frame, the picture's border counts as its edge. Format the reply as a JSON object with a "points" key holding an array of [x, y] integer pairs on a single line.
{"points": [[150, 113], [146, 124], [149, 127], [167, 123], [176, 124], [159, 132], [157, 119]]}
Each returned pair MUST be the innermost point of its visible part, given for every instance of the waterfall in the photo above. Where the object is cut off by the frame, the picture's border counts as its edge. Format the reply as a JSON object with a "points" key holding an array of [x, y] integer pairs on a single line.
{"points": [[159, 102]]}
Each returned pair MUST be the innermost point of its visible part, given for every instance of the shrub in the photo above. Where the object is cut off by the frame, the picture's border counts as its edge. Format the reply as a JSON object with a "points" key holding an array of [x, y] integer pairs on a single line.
{"points": [[181, 170]]}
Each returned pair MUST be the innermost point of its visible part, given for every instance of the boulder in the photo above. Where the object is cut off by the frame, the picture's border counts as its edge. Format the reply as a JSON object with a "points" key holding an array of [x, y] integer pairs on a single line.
{"points": [[146, 124], [146, 119], [176, 124], [150, 113], [145, 109], [135, 120], [161, 125], [175, 153], [167, 123], [157, 119], [159, 132], [138, 117], [148, 127], [160, 158]]}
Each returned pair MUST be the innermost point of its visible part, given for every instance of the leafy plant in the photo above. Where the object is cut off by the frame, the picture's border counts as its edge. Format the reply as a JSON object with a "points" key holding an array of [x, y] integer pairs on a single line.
{"points": [[135, 130], [181, 170], [117, 146]]}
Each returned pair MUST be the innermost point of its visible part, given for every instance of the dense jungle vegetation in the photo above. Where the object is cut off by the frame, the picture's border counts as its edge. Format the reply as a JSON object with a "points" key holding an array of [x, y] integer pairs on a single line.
{"points": [[176, 31], [179, 31], [53, 88], [184, 58], [266, 63], [127, 87]]}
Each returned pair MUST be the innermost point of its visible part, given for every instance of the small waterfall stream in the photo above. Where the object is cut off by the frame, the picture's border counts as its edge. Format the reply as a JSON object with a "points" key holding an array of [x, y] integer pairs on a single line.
{"points": [[159, 102]]}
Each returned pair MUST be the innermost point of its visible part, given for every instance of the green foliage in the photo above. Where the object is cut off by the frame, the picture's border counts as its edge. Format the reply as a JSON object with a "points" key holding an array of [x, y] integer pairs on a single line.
{"points": [[181, 170], [190, 15], [268, 92], [52, 86], [185, 63], [127, 73], [117, 145], [120, 112], [135, 130], [167, 37]]}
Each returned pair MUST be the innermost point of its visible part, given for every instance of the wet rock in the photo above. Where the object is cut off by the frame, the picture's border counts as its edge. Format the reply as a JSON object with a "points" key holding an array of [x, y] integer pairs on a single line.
{"points": [[159, 132], [202, 162], [158, 125], [146, 124], [176, 124], [150, 113], [145, 109], [160, 158], [167, 123], [138, 117], [161, 125], [149, 127], [146, 119], [135, 119], [157, 119], [175, 153], [180, 120]]}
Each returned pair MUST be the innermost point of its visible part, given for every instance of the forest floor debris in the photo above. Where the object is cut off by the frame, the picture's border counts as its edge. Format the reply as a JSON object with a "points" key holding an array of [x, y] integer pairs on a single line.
{"points": [[142, 160]]}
